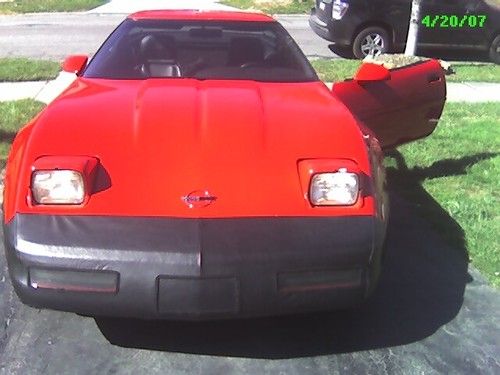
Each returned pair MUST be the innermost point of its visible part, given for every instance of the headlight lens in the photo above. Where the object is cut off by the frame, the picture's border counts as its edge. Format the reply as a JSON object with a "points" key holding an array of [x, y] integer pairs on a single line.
{"points": [[334, 189], [58, 187]]}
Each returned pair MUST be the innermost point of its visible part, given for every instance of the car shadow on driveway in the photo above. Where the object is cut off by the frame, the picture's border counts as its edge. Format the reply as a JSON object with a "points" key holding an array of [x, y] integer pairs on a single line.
{"points": [[421, 289]]}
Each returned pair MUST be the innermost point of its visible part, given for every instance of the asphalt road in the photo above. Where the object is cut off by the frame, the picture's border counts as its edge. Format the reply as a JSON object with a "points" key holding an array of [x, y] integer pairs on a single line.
{"points": [[430, 315], [56, 35]]}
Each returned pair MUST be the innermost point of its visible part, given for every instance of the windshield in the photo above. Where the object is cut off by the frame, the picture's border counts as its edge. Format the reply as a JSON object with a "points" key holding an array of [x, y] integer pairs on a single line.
{"points": [[141, 49]]}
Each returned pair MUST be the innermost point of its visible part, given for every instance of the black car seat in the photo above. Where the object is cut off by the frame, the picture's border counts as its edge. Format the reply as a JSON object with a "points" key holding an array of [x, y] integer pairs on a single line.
{"points": [[245, 51], [158, 57]]}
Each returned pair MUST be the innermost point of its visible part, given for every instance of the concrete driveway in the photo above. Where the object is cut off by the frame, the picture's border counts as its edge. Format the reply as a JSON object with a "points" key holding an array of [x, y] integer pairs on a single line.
{"points": [[431, 315]]}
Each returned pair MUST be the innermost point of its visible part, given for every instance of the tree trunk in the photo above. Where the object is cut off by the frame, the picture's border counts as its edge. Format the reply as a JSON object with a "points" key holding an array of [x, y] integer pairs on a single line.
{"points": [[411, 41]]}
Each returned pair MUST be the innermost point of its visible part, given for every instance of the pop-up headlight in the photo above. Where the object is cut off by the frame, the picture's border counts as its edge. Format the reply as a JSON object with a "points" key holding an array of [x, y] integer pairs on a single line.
{"points": [[339, 188], [58, 187], [63, 180]]}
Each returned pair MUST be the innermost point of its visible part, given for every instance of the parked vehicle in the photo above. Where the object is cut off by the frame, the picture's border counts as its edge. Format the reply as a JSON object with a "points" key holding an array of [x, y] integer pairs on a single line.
{"points": [[198, 168], [376, 26]]}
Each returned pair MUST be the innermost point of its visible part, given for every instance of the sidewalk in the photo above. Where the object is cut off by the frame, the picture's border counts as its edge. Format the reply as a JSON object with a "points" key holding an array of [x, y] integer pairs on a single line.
{"points": [[43, 91], [46, 91], [473, 92]]}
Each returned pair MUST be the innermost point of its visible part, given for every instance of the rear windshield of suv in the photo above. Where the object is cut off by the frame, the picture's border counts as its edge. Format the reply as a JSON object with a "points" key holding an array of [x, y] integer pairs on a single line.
{"points": [[141, 49]]}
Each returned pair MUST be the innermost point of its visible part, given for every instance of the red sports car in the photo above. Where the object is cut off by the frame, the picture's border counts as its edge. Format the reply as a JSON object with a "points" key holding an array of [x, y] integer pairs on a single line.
{"points": [[198, 168]]}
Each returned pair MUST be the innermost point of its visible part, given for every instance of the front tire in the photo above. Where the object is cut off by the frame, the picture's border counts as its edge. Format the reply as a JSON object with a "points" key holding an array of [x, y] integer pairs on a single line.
{"points": [[495, 50], [373, 40]]}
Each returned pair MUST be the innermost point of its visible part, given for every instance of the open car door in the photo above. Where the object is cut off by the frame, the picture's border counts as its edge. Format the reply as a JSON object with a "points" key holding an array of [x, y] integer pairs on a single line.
{"points": [[398, 105]]}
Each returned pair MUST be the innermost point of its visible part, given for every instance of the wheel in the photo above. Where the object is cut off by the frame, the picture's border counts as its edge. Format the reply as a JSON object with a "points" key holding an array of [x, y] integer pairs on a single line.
{"points": [[373, 40], [495, 50]]}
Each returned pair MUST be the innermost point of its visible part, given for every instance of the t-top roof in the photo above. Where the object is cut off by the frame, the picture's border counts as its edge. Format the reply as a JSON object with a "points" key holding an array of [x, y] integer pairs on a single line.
{"points": [[201, 15]]}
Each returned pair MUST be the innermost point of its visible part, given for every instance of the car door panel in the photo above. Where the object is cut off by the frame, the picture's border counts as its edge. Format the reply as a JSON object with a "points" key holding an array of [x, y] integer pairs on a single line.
{"points": [[401, 109]]}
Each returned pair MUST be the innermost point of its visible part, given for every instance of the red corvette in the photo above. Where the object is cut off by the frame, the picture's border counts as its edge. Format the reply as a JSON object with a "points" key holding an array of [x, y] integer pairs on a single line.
{"points": [[198, 168]]}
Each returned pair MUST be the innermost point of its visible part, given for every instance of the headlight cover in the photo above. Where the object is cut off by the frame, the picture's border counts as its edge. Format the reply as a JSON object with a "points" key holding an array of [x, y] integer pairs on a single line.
{"points": [[57, 187], [339, 188]]}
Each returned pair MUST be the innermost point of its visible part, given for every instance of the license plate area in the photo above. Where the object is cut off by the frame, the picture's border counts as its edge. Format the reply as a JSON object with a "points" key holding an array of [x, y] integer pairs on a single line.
{"points": [[197, 296]]}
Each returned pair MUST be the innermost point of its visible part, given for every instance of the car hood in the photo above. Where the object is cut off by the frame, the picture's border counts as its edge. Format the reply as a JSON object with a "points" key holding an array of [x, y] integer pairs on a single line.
{"points": [[159, 140]]}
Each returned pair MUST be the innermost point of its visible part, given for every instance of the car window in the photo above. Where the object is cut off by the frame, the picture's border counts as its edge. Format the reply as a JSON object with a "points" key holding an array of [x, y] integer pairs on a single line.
{"points": [[141, 49]]}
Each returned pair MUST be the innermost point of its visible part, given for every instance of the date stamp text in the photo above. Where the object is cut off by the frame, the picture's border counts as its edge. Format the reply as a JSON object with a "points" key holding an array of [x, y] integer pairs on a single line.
{"points": [[445, 21]]}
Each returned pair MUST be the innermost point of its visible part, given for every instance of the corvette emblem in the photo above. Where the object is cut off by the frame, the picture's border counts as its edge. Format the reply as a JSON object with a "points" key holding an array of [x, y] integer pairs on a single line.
{"points": [[198, 199]]}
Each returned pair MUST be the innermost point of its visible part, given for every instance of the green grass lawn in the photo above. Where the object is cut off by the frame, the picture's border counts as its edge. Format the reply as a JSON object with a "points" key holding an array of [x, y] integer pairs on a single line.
{"points": [[14, 115], [340, 69], [335, 69], [32, 6], [273, 6], [451, 178], [475, 72], [22, 69]]}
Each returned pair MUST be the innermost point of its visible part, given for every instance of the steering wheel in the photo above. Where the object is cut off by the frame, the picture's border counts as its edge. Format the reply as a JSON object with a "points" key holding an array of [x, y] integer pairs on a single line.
{"points": [[140, 70]]}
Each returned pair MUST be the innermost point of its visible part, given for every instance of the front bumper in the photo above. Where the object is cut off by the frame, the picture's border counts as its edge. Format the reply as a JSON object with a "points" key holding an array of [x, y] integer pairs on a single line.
{"points": [[340, 32], [192, 268]]}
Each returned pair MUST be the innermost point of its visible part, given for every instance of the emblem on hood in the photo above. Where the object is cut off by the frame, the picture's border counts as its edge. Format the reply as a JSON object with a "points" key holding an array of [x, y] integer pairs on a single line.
{"points": [[198, 199]]}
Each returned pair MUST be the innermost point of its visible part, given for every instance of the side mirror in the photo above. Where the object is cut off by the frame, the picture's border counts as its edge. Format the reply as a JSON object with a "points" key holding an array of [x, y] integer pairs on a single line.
{"points": [[369, 72], [75, 63]]}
